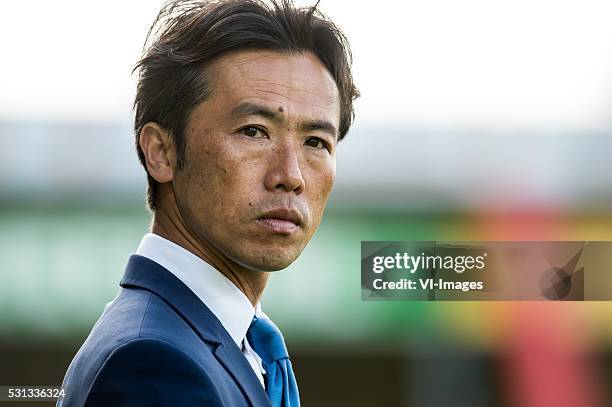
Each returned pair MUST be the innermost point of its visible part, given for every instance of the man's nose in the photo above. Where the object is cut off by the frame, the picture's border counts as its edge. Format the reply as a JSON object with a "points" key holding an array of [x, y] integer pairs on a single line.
{"points": [[284, 171]]}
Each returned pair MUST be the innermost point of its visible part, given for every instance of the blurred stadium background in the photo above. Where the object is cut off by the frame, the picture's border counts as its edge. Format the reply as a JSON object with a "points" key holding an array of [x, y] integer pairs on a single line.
{"points": [[478, 121]]}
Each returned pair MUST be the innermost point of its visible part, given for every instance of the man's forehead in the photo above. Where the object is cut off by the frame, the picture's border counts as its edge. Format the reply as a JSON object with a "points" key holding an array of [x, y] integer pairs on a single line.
{"points": [[283, 79], [268, 63]]}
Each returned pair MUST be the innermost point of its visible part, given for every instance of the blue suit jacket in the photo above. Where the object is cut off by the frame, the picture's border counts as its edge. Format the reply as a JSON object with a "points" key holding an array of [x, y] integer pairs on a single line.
{"points": [[157, 344]]}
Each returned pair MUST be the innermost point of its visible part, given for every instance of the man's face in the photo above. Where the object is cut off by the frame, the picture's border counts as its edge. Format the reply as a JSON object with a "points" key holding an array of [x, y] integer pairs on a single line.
{"points": [[260, 158]]}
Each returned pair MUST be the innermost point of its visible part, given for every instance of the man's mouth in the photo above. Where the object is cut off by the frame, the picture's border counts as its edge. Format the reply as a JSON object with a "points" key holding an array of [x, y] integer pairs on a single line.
{"points": [[282, 221]]}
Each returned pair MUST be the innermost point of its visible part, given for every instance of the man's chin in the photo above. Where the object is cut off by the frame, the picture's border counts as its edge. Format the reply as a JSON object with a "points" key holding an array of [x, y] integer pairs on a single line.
{"points": [[270, 266], [269, 261]]}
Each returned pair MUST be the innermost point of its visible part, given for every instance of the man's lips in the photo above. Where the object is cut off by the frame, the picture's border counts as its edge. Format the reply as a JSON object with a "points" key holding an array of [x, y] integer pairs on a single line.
{"points": [[283, 221]]}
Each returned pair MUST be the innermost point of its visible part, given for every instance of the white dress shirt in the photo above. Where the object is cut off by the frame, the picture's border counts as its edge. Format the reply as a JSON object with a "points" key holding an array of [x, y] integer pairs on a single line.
{"points": [[230, 305]]}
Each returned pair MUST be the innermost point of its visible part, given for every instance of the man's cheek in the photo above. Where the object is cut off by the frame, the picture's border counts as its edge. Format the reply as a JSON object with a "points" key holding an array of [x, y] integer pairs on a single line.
{"points": [[212, 174], [322, 186]]}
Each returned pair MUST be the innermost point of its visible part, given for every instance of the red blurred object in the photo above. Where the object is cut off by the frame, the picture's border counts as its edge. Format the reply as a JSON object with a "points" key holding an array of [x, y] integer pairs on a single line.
{"points": [[526, 224], [548, 362]]}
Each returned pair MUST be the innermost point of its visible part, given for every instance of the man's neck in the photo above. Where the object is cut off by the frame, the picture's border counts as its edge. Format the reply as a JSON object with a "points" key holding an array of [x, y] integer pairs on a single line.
{"points": [[168, 225]]}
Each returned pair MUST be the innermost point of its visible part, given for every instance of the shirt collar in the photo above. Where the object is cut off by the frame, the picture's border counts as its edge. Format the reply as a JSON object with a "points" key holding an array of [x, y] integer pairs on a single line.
{"points": [[230, 305]]}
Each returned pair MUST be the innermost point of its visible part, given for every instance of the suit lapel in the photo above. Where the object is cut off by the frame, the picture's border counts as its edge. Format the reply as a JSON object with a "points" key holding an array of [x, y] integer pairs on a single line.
{"points": [[230, 356], [145, 273]]}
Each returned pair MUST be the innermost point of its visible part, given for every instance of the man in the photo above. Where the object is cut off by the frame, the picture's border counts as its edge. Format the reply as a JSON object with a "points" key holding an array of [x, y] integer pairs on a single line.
{"points": [[239, 108]]}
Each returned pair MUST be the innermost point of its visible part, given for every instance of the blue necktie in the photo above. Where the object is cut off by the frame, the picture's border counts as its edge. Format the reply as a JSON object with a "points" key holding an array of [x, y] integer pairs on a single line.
{"points": [[267, 341]]}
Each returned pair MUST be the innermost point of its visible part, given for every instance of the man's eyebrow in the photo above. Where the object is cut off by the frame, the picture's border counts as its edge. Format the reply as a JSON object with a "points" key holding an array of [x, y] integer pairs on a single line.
{"points": [[320, 125], [253, 109]]}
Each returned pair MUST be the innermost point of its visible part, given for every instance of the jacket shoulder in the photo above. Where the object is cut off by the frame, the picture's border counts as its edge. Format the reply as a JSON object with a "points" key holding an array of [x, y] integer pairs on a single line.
{"points": [[151, 371], [135, 317]]}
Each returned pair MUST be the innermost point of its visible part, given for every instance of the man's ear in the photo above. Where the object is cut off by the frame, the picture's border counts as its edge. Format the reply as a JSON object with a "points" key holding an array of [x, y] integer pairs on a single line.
{"points": [[159, 152]]}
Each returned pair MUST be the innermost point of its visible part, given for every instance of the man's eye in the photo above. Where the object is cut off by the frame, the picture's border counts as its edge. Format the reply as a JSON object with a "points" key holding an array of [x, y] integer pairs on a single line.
{"points": [[316, 143], [252, 131]]}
